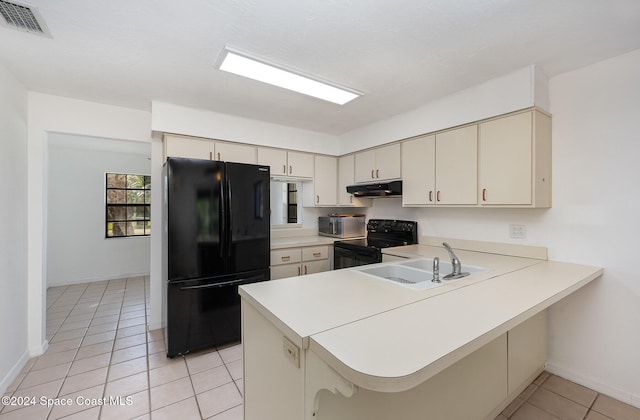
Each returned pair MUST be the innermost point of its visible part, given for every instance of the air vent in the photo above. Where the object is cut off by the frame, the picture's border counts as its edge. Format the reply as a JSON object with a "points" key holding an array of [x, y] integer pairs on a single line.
{"points": [[23, 18]]}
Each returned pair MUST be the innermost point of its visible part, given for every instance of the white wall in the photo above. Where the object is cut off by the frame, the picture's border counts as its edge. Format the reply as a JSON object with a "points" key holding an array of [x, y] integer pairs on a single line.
{"points": [[54, 114], [594, 334], [77, 250], [13, 236], [176, 119], [517, 90]]}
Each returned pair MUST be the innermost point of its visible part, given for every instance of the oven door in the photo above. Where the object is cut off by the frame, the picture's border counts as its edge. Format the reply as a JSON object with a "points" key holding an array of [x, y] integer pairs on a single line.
{"points": [[353, 257]]}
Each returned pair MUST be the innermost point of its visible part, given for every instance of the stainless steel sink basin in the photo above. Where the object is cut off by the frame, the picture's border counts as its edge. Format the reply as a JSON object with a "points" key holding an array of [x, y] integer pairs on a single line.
{"points": [[426, 264], [415, 274]]}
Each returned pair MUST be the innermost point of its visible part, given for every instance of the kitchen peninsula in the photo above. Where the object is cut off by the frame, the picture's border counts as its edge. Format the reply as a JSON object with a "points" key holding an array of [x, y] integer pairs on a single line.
{"points": [[345, 345]]}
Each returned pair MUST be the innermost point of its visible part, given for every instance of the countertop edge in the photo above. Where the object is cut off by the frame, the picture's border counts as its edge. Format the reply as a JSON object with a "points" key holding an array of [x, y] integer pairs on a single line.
{"points": [[402, 383]]}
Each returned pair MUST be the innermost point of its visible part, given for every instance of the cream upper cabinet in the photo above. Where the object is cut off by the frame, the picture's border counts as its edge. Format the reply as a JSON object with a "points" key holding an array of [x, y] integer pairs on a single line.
{"points": [[275, 158], [240, 153], [187, 147], [515, 160], [419, 171], [197, 148], [382, 163], [346, 177], [441, 169], [300, 164], [322, 191], [284, 163], [457, 166]]}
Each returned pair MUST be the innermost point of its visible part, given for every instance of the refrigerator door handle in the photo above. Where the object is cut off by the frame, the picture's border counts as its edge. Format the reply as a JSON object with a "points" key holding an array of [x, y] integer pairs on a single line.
{"points": [[223, 284], [230, 216], [223, 221]]}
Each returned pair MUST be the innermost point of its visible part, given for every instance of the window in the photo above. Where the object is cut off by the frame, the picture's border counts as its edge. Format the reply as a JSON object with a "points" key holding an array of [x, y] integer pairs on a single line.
{"points": [[128, 205]]}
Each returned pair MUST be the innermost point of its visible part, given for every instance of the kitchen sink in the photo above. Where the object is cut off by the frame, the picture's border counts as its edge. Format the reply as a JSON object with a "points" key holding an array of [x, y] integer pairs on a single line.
{"points": [[416, 274], [426, 264]]}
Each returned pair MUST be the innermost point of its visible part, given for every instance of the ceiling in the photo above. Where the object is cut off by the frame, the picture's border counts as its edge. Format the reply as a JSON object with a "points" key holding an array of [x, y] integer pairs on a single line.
{"points": [[400, 53]]}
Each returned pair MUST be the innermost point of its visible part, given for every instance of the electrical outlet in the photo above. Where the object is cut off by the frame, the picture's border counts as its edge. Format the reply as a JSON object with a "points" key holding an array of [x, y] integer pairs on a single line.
{"points": [[518, 231], [291, 352]]}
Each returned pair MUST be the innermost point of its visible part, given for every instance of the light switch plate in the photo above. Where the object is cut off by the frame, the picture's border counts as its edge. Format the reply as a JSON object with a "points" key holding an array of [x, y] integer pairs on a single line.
{"points": [[291, 351]]}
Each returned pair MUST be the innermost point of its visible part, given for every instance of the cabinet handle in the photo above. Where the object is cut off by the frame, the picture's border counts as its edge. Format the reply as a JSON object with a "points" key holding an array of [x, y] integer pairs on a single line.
{"points": [[299, 270], [218, 155], [317, 254], [290, 169], [350, 199], [284, 169], [431, 196], [210, 155], [377, 173], [305, 269], [484, 194], [438, 196], [372, 177], [317, 199], [286, 258]]}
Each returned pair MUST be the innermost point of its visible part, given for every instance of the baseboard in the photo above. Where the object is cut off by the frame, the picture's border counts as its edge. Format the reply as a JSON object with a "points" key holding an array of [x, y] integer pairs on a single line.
{"points": [[39, 350], [611, 391], [13, 372], [99, 278]]}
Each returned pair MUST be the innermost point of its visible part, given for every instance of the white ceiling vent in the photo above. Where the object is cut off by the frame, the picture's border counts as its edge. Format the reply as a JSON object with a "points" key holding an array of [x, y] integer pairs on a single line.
{"points": [[23, 18]]}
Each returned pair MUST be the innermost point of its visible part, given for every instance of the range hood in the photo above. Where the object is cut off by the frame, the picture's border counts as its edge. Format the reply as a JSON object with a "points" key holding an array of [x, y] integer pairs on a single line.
{"points": [[378, 189]]}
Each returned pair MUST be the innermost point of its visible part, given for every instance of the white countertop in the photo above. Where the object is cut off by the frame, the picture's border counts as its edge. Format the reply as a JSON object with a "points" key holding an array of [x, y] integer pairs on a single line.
{"points": [[299, 241], [383, 336]]}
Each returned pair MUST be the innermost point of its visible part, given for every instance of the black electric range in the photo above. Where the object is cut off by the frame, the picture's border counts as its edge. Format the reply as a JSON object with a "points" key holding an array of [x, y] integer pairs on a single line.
{"points": [[381, 233]]}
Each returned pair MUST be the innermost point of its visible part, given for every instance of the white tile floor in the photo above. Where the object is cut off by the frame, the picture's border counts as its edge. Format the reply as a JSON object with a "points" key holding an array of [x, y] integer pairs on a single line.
{"points": [[100, 349], [103, 364]]}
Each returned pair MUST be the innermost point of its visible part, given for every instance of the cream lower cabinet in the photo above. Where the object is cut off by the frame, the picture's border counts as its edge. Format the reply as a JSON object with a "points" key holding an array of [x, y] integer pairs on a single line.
{"points": [[380, 164], [515, 160], [441, 169], [285, 381], [292, 262]]}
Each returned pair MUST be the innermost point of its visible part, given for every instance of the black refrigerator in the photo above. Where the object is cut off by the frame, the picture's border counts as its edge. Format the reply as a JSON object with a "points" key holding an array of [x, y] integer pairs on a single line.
{"points": [[215, 238]]}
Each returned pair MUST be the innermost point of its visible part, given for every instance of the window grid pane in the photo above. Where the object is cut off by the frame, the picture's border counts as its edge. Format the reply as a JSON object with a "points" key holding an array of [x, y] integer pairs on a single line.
{"points": [[128, 205]]}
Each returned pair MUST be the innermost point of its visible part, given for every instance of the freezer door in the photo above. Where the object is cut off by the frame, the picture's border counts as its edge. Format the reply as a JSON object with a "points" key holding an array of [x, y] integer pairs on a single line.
{"points": [[249, 198], [195, 212], [204, 313]]}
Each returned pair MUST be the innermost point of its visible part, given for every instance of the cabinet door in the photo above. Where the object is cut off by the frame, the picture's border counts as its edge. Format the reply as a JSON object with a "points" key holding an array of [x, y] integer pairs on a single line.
{"points": [[388, 162], [346, 177], [506, 160], [185, 147], [418, 171], [325, 181], [300, 164], [240, 153], [285, 271], [275, 158], [457, 166], [365, 166], [311, 267]]}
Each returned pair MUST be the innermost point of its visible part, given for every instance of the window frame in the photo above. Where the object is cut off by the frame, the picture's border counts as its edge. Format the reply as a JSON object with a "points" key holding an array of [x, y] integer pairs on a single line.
{"points": [[146, 220]]}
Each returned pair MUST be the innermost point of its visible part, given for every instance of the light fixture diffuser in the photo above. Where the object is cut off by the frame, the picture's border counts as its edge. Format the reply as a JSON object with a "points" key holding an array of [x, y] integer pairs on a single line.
{"points": [[242, 64]]}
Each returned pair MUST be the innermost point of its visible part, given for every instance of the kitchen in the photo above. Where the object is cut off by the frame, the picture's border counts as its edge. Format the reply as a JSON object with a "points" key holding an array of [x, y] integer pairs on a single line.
{"points": [[593, 333]]}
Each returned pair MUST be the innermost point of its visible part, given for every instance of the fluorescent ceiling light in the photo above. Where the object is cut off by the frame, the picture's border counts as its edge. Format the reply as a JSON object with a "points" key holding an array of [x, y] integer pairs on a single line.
{"points": [[243, 65]]}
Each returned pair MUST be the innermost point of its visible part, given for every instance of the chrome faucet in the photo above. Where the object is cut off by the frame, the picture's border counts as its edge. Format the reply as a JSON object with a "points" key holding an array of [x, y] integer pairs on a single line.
{"points": [[455, 263], [436, 270]]}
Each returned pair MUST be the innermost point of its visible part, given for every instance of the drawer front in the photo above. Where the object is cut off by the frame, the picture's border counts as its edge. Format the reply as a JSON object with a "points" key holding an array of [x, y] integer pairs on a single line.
{"points": [[285, 271], [315, 253], [285, 256]]}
